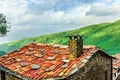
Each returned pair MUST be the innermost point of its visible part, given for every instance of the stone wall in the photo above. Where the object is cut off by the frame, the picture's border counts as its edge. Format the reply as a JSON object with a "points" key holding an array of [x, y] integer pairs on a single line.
{"points": [[97, 68]]}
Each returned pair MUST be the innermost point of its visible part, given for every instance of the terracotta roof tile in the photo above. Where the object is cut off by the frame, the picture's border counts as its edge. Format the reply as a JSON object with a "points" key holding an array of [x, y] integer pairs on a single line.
{"points": [[53, 61], [116, 62]]}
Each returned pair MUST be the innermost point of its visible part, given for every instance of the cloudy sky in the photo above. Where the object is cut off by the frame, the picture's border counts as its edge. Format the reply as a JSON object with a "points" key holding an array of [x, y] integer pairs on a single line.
{"points": [[30, 18]]}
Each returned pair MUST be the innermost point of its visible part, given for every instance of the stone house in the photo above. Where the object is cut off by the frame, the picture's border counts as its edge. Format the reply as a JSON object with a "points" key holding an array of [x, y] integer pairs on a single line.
{"points": [[116, 68], [56, 62]]}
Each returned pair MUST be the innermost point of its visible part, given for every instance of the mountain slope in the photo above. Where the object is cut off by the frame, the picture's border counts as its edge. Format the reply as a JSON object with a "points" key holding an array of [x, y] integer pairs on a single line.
{"points": [[104, 35]]}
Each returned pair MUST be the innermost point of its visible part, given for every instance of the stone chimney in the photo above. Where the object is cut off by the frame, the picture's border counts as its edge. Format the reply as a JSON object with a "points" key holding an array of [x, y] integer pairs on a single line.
{"points": [[75, 45]]}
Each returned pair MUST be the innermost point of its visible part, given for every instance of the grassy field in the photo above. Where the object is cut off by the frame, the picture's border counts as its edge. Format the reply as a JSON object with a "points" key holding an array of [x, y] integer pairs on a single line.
{"points": [[104, 35]]}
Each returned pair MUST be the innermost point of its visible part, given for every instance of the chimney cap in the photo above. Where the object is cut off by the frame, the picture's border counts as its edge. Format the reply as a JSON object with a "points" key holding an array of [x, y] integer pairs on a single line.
{"points": [[74, 36]]}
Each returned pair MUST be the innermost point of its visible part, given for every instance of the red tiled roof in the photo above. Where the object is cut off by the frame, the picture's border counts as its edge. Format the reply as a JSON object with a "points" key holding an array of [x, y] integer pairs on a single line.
{"points": [[44, 61], [116, 62]]}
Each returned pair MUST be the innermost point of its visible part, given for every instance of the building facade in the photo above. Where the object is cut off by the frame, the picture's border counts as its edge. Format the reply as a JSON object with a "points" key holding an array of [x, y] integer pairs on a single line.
{"points": [[97, 68]]}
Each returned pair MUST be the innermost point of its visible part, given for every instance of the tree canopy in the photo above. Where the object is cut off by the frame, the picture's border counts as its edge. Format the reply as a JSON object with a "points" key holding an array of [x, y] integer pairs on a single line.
{"points": [[3, 25]]}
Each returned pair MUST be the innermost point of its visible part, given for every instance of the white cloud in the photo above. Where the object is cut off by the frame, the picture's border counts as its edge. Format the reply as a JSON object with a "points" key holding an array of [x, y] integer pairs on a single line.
{"points": [[13, 7], [102, 9], [38, 14]]}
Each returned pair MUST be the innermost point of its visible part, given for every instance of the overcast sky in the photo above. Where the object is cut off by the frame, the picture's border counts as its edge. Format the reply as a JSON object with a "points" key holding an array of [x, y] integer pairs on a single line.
{"points": [[30, 18]]}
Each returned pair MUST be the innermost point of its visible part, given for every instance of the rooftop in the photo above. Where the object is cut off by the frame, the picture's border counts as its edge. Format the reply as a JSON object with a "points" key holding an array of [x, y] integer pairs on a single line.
{"points": [[116, 60], [116, 63], [42, 61]]}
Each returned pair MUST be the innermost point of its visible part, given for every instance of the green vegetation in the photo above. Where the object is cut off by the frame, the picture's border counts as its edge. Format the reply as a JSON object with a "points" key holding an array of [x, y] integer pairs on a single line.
{"points": [[3, 25], [104, 35], [1, 53]]}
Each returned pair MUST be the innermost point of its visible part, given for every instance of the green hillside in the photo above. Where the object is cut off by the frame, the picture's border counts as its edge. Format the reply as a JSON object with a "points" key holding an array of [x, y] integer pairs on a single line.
{"points": [[104, 35]]}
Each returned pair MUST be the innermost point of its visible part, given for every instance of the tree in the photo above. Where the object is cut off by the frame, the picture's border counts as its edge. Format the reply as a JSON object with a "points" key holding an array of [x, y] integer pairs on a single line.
{"points": [[3, 25]]}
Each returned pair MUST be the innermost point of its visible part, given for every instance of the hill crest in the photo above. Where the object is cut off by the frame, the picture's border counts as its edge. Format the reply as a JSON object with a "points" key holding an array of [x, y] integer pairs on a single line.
{"points": [[104, 35]]}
